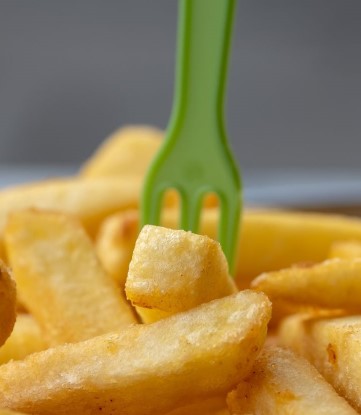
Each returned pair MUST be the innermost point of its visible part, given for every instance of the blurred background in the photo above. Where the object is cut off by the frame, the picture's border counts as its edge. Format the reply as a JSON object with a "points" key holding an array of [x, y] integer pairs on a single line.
{"points": [[72, 71]]}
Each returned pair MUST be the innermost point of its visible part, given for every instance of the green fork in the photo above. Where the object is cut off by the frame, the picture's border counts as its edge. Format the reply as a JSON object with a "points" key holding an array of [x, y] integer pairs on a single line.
{"points": [[195, 158]]}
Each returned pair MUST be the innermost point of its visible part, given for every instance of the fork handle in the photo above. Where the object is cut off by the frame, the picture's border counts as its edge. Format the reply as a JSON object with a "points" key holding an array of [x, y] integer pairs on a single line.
{"points": [[204, 35]]}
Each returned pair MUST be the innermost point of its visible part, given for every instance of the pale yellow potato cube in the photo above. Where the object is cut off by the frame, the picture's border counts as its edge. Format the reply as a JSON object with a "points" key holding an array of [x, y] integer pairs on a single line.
{"points": [[60, 279], [282, 383], [144, 369], [173, 271]]}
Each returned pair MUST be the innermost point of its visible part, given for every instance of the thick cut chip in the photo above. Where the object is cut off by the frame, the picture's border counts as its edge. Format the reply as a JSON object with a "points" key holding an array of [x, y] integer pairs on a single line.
{"points": [[270, 239], [128, 151], [90, 200], [335, 283], [173, 271], [145, 369], [345, 250], [60, 279], [283, 383], [333, 346], [7, 303], [26, 338]]}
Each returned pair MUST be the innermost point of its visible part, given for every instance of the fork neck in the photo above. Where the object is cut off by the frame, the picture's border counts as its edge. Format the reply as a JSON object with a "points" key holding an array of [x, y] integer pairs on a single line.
{"points": [[204, 35]]}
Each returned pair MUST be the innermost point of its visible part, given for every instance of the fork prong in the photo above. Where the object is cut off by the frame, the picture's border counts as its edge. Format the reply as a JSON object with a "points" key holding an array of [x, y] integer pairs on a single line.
{"points": [[151, 206], [229, 227], [191, 205]]}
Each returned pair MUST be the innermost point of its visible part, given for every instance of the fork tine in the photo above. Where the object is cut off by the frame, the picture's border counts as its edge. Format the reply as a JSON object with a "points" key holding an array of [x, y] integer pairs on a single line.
{"points": [[229, 227], [190, 211], [151, 205]]}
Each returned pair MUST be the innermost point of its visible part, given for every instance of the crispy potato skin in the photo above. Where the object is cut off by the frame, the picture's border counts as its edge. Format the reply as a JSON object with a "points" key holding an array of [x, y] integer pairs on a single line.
{"points": [[53, 258], [282, 383], [7, 303], [333, 345], [203, 352]]}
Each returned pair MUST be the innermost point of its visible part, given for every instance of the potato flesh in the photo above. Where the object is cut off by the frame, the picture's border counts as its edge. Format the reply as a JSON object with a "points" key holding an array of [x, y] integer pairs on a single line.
{"points": [[186, 357], [53, 258], [282, 383], [333, 346], [7, 303], [335, 283]]}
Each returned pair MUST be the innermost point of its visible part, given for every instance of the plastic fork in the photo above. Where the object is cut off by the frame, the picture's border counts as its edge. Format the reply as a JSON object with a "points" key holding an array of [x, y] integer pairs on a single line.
{"points": [[195, 158]]}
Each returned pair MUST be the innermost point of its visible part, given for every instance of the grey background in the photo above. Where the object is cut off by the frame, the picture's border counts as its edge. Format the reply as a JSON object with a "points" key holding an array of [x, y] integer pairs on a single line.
{"points": [[74, 70]]}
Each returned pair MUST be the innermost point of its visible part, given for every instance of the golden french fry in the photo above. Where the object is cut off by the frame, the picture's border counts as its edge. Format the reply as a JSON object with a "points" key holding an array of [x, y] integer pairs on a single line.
{"points": [[345, 250], [90, 200], [270, 239], [335, 283], [173, 271], [8, 412], [7, 303], [128, 151], [203, 352], [333, 345], [26, 338], [283, 383], [54, 259]]}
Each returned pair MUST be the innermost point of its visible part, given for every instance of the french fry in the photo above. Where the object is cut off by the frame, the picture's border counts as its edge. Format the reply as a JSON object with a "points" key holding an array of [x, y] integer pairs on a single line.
{"points": [[334, 284], [128, 151], [203, 352], [7, 303], [282, 383], [270, 239], [333, 345], [174, 270], [26, 338], [345, 250], [8, 412], [54, 259], [90, 200]]}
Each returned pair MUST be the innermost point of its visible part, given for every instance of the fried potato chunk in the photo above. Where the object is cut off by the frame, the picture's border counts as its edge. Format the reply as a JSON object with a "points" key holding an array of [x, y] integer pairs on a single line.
{"points": [[334, 283], [128, 151], [145, 369], [8, 412], [174, 270], [26, 338], [270, 239], [333, 345], [7, 303], [54, 259], [282, 383], [345, 250]]}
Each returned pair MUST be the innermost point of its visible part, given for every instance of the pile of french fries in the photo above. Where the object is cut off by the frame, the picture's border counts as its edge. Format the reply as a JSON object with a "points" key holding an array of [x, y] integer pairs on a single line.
{"points": [[99, 316]]}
